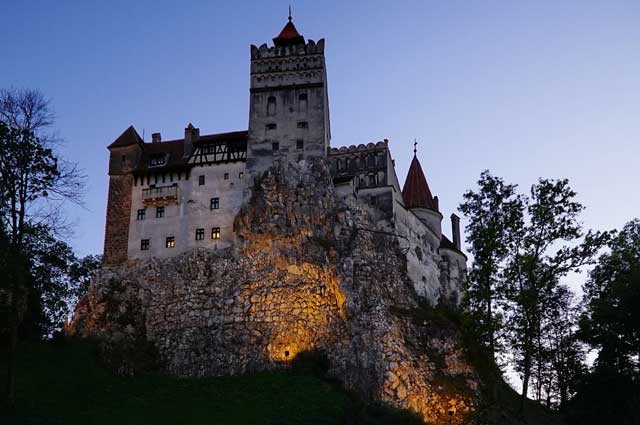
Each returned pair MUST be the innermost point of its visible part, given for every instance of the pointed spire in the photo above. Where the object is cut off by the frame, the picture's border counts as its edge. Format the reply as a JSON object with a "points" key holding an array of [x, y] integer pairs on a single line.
{"points": [[289, 34], [415, 148], [416, 192]]}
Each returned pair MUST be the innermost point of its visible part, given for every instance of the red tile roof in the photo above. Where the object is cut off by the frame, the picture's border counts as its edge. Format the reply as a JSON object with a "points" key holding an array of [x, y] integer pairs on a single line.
{"points": [[128, 137], [288, 36], [416, 193]]}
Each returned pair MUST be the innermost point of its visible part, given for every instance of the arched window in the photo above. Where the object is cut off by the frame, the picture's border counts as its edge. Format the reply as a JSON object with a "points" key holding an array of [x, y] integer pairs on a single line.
{"points": [[302, 102], [271, 106], [339, 165]]}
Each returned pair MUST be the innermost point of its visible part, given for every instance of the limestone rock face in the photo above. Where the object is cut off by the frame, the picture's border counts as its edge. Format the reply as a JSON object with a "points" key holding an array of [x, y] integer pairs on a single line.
{"points": [[311, 274]]}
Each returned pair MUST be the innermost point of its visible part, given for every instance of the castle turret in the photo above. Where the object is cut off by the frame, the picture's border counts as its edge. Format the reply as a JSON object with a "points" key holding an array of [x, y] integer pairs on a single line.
{"points": [[125, 153], [289, 106], [418, 198]]}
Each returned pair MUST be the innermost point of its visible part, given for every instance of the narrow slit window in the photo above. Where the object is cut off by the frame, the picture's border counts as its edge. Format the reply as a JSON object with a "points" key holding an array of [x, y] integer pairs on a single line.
{"points": [[241, 175], [271, 106]]}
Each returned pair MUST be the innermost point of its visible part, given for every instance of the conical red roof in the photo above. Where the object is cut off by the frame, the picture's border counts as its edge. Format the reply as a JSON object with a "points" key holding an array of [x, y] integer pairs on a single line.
{"points": [[288, 36], [416, 193]]}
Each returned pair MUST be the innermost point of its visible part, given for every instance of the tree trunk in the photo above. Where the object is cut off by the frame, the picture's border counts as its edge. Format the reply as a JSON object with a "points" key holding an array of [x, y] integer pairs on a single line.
{"points": [[525, 378], [12, 355]]}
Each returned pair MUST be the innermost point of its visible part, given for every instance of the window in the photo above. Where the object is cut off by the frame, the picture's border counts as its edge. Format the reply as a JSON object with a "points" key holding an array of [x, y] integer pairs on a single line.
{"points": [[300, 157], [271, 126], [299, 144], [199, 234], [271, 106], [215, 203], [275, 146], [141, 214], [226, 176], [215, 233], [339, 165], [144, 245], [170, 242], [303, 124], [156, 160], [241, 175], [124, 158], [372, 179], [159, 212], [373, 200], [200, 180], [302, 102]]}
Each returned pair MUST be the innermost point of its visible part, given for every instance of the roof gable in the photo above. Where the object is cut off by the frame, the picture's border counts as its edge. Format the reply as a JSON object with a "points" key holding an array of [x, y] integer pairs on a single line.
{"points": [[128, 137]]}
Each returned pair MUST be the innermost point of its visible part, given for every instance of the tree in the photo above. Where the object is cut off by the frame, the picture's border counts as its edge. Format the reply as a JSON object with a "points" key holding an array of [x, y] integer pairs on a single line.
{"points": [[493, 212], [34, 184], [611, 320], [542, 256]]}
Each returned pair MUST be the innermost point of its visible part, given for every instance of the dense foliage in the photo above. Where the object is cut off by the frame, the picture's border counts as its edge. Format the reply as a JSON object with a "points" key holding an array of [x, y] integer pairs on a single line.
{"points": [[523, 247]]}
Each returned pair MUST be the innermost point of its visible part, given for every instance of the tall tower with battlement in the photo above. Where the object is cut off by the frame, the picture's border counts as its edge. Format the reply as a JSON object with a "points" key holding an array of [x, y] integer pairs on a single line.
{"points": [[289, 104]]}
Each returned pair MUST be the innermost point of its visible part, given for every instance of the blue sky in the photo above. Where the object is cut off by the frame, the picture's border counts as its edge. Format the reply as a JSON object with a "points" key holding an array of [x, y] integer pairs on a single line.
{"points": [[525, 89]]}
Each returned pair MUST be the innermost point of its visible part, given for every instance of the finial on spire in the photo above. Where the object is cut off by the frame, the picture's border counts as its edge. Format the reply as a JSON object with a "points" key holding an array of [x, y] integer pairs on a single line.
{"points": [[290, 13], [415, 147]]}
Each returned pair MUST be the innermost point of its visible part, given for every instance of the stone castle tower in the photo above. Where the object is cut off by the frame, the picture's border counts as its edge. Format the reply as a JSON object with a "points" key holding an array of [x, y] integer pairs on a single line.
{"points": [[289, 104]]}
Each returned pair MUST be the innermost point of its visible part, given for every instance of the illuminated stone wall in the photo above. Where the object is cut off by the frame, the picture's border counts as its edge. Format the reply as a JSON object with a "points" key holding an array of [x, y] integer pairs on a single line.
{"points": [[312, 273]]}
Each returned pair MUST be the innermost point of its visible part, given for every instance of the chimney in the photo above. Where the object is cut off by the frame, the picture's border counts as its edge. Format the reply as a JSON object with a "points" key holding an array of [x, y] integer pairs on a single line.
{"points": [[455, 230], [156, 138], [191, 135]]}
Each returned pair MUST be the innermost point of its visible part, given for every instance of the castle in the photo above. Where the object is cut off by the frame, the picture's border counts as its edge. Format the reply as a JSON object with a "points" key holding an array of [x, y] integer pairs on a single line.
{"points": [[168, 197]]}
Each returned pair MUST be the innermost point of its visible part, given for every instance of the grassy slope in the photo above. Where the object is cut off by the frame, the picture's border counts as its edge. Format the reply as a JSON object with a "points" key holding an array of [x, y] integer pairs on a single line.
{"points": [[64, 385]]}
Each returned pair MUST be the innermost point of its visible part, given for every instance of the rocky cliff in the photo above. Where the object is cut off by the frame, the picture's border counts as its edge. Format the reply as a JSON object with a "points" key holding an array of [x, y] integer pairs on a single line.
{"points": [[311, 273]]}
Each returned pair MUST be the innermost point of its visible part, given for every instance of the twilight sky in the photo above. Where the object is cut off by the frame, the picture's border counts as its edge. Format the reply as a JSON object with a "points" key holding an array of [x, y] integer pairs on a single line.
{"points": [[527, 90]]}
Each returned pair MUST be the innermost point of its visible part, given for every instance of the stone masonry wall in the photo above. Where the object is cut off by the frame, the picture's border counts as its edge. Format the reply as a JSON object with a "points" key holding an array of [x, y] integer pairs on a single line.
{"points": [[117, 224], [312, 273]]}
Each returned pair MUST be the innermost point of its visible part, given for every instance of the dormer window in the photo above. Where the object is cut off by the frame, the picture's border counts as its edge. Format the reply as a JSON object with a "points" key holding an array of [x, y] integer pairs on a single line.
{"points": [[157, 160]]}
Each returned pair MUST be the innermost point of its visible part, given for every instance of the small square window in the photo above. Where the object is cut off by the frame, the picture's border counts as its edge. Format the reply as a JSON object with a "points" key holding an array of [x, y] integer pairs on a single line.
{"points": [[144, 245], [200, 180], [303, 124], [170, 242], [215, 233], [215, 203], [271, 126], [226, 176], [241, 175], [299, 144], [159, 212], [141, 214], [199, 234], [275, 146]]}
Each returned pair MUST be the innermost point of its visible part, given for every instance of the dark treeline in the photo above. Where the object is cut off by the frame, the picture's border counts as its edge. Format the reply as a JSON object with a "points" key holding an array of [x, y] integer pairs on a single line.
{"points": [[40, 277], [523, 245]]}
